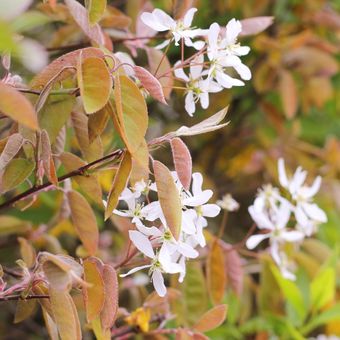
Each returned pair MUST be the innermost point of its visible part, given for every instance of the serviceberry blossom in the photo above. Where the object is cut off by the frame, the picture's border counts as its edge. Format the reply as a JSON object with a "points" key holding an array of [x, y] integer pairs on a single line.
{"points": [[160, 21], [198, 89], [152, 236], [228, 203], [286, 219]]}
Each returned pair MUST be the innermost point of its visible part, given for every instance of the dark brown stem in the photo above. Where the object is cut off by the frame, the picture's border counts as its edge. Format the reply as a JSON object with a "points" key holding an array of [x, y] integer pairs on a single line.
{"points": [[78, 172], [12, 272], [19, 297]]}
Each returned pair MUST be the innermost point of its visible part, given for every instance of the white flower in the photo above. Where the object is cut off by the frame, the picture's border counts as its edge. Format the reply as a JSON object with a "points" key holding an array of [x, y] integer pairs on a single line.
{"points": [[197, 88], [228, 203], [276, 227], [224, 53], [161, 262], [159, 21], [307, 213]]}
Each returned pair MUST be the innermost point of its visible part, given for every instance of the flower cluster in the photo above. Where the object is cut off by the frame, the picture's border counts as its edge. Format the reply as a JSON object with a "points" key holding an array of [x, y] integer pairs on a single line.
{"points": [[286, 220], [219, 45], [153, 237]]}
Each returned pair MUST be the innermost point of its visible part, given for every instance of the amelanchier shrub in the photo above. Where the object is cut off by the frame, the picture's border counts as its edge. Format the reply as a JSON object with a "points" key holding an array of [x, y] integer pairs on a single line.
{"points": [[165, 212]]}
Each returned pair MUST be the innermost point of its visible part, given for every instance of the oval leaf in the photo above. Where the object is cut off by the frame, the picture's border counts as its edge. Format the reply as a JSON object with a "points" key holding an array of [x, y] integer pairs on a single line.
{"points": [[16, 106], [46, 156], [96, 9], [95, 83], [84, 221], [289, 94], [252, 26], [119, 184], [182, 160], [211, 319], [169, 198], [12, 147]]}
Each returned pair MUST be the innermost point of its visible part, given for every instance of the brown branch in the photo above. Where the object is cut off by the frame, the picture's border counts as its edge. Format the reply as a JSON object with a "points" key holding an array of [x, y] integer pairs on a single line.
{"points": [[19, 297], [78, 172]]}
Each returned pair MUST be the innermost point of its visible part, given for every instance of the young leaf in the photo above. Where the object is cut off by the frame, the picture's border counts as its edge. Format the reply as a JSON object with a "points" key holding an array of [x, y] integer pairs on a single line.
{"points": [[216, 274], [27, 252], [110, 308], [84, 221], [150, 83], [131, 112], [47, 159], [140, 165], [234, 269], [289, 94], [24, 309], [96, 9], [16, 171], [65, 315], [12, 147], [119, 184], [95, 83], [252, 26], [79, 14], [213, 318], [182, 160], [50, 324], [97, 122], [66, 62], [58, 278], [169, 198], [94, 294], [12, 225], [16, 106]]}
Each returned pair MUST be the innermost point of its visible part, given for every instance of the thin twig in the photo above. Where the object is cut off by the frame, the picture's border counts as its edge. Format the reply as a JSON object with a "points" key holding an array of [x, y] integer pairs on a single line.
{"points": [[19, 297]]}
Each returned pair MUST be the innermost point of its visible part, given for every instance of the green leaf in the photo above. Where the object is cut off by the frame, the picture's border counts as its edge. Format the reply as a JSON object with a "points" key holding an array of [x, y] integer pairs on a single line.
{"points": [[119, 184], [12, 147], [131, 117], [323, 288], [29, 20], [84, 221], [7, 43], [95, 83], [12, 225], [96, 9], [16, 172], [16, 106], [169, 198]]}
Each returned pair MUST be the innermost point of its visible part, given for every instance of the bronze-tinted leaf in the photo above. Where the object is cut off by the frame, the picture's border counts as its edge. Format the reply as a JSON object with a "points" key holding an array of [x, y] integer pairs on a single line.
{"points": [[150, 83], [119, 184], [110, 308], [211, 319], [140, 165], [95, 83], [47, 159], [182, 160], [65, 315], [97, 122], [131, 112], [289, 95], [58, 278], [252, 26], [79, 14], [12, 147], [24, 309], [84, 221], [50, 325], [96, 9], [94, 294], [169, 198], [216, 274], [17, 170], [13, 225], [27, 252], [16, 106]]}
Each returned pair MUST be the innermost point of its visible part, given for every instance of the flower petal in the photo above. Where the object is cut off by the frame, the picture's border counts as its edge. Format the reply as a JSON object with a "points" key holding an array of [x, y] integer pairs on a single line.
{"points": [[134, 270], [158, 282], [254, 240], [210, 210], [142, 243]]}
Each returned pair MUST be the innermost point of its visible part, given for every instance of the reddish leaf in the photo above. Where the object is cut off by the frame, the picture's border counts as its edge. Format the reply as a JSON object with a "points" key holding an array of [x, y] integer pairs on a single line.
{"points": [[46, 156], [289, 95], [211, 319], [182, 160], [169, 198], [140, 165], [16, 106], [12, 147], [80, 15], [252, 26], [150, 83]]}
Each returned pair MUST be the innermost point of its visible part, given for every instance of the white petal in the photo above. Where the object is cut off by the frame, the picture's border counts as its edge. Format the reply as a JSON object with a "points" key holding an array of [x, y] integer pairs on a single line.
{"points": [[243, 71], [300, 216], [158, 283], [198, 199], [190, 106], [142, 243], [311, 191], [134, 270], [204, 100], [261, 219], [226, 81], [292, 236], [234, 28], [197, 182], [152, 211], [163, 18], [210, 210], [254, 240], [297, 181], [283, 179], [196, 67], [314, 212], [187, 251], [188, 17], [188, 225], [213, 33], [182, 274], [241, 50], [166, 262], [179, 73], [283, 215], [148, 231], [149, 20], [163, 44]]}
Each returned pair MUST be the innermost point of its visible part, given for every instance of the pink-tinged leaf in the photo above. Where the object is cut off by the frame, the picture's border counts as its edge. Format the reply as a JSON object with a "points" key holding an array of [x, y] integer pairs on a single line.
{"points": [[12, 147], [94, 294], [289, 95], [169, 198], [61, 68], [140, 165], [65, 315], [47, 159], [211, 319], [84, 221], [182, 160], [150, 83], [80, 15], [216, 275], [119, 184], [252, 26], [16, 106], [110, 308]]}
